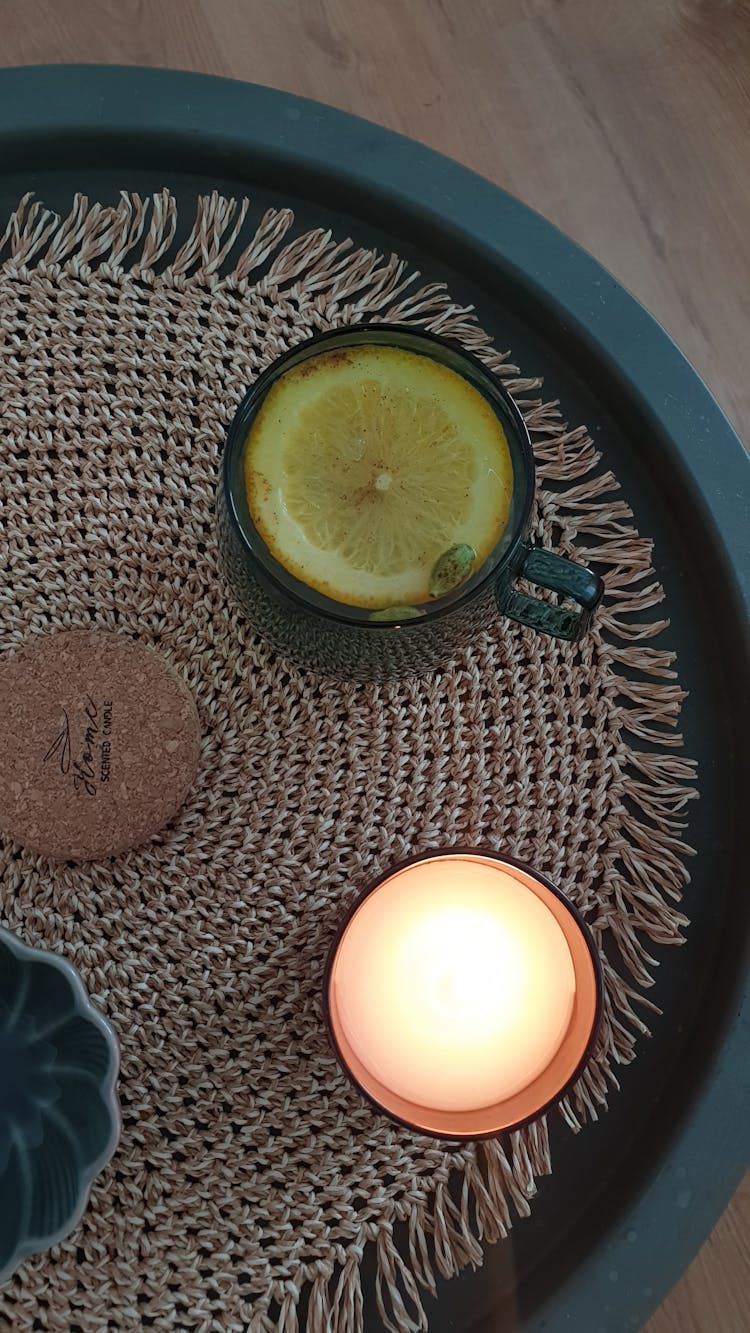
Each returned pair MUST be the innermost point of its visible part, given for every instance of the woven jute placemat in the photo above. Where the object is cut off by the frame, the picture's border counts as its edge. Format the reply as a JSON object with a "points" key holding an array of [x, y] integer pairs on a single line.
{"points": [[251, 1175]]}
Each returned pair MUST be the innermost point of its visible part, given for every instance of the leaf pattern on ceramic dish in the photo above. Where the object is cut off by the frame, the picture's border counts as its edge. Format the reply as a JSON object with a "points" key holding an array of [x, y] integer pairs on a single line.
{"points": [[82, 1047], [54, 1172], [82, 1106]]}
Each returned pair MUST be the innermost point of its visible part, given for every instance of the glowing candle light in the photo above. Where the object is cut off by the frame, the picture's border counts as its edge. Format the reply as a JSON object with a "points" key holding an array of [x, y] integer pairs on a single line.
{"points": [[463, 994]]}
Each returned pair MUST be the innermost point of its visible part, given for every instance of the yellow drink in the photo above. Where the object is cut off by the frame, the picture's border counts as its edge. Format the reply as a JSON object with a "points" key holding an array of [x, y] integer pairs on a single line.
{"points": [[369, 468]]}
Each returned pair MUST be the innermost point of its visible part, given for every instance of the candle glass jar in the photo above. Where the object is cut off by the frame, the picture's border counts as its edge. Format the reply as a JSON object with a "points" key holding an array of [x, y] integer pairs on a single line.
{"points": [[346, 641], [463, 1047]]}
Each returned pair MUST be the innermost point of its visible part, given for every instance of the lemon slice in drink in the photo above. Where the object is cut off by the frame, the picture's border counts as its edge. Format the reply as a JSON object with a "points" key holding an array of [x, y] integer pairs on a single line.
{"points": [[365, 465]]}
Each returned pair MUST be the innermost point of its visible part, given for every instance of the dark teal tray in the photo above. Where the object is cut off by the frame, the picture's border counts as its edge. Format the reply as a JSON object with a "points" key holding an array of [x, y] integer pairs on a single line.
{"points": [[632, 1198]]}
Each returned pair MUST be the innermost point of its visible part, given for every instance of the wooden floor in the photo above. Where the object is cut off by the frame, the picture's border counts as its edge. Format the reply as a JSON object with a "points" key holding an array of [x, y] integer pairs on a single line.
{"points": [[626, 122]]}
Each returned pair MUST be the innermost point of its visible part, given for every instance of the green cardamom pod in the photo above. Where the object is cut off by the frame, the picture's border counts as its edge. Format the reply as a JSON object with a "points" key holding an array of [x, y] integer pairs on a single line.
{"points": [[452, 568]]}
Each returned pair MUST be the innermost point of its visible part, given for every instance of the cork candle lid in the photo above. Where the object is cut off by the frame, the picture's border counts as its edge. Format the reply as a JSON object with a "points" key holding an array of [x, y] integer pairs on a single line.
{"points": [[99, 743]]}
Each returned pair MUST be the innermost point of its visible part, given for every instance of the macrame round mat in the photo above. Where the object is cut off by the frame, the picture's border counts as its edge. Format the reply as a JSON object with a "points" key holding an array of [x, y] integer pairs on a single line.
{"points": [[250, 1174]]}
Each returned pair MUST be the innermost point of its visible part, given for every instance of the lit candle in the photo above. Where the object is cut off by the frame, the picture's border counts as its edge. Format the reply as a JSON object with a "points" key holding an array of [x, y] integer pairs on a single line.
{"points": [[463, 994]]}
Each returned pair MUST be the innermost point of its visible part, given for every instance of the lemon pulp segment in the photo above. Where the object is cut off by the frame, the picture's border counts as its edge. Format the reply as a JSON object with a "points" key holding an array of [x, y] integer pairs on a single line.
{"points": [[364, 465]]}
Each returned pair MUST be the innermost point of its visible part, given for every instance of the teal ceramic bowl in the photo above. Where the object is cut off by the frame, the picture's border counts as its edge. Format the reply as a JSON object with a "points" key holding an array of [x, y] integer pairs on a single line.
{"points": [[59, 1115]]}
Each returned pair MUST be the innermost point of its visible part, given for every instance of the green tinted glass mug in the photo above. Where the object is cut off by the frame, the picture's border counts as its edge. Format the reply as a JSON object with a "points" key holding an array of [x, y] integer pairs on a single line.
{"points": [[332, 638]]}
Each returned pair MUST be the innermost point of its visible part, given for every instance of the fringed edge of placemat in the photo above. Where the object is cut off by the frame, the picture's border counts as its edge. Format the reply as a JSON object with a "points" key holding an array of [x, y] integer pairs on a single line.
{"points": [[473, 1203]]}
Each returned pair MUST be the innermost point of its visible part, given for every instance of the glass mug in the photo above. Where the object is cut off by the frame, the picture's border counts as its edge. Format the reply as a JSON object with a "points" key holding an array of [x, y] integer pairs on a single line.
{"points": [[335, 639]]}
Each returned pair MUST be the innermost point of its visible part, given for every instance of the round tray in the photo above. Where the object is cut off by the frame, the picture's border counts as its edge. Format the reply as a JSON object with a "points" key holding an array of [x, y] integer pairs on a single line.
{"points": [[632, 1197]]}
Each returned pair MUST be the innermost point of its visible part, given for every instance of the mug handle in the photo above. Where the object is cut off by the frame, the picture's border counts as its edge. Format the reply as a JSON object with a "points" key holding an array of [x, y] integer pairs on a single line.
{"points": [[548, 570]]}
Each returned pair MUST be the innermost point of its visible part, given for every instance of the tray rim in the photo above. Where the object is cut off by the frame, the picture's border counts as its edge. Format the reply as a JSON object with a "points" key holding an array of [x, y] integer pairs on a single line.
{"points": [[47, 102]]}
